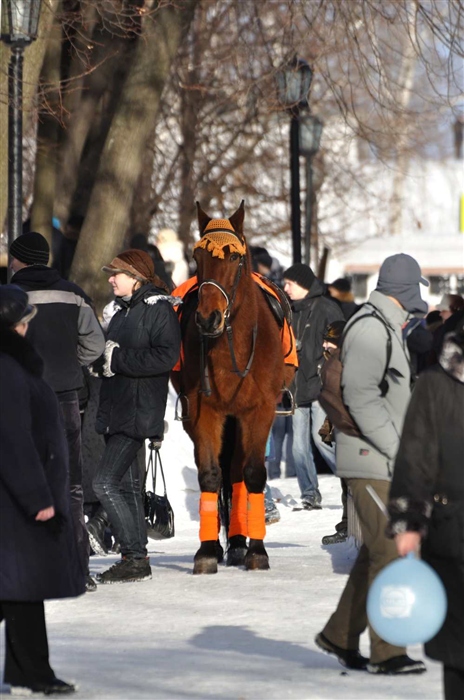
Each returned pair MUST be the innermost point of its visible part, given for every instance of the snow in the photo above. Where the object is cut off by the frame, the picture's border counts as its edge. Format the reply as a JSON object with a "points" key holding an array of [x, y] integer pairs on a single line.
{"points": [[236, 635]]}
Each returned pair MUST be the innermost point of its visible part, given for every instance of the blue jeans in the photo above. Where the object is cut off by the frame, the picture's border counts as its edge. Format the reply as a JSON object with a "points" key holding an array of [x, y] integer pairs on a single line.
{"points": [[117, 486], [306, 422], [282, 430]]}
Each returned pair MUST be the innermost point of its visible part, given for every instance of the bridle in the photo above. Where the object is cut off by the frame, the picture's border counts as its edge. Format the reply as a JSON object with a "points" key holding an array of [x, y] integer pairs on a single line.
{"points": [[230, 299]]}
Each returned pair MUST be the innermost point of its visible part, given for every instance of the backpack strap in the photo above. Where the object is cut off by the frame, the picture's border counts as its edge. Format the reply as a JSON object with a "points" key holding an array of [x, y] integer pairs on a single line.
{"points": [[383, 385]]}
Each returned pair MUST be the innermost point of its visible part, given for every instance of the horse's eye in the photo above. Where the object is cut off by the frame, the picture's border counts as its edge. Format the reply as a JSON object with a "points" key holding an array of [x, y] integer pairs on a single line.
{"points": [[234, 256]]}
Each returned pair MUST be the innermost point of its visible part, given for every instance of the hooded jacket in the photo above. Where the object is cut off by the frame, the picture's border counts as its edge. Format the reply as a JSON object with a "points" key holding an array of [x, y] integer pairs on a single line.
{"points": [[39, 560], [311, 316], [379, 418], [65, 332], [146, 329]]}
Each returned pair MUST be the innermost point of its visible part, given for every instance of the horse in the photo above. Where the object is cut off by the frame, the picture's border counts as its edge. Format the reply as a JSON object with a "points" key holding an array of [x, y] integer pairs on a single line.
{"points": [[231, 376]]}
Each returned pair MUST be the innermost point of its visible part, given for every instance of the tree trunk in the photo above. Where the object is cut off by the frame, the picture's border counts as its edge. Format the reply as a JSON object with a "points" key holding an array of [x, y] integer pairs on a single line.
{"points": [[107, 219], [47, 137]]}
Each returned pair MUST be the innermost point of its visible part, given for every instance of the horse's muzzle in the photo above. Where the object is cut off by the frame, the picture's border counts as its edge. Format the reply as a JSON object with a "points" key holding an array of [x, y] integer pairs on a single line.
{"points": [[213, 326]]}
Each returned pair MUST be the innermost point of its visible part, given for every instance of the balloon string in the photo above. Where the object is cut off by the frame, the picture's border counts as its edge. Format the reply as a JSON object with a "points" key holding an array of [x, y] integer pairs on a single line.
{"points": [[375, 496]]}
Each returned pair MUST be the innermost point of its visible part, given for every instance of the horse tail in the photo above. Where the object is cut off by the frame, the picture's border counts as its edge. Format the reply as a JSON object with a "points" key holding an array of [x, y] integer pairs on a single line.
{"points": [[225, 462]]}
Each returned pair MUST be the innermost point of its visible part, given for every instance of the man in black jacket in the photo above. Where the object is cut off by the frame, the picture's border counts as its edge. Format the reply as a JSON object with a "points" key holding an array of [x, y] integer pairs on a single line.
{"points": [[312, 313], [67, 335]]}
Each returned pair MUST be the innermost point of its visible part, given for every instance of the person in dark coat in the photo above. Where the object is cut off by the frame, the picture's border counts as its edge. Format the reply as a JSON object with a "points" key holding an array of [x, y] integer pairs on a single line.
{"points": [[143, 346], [312, 313], [427, 496], [340, 291], [68, 337], [38, 549]]}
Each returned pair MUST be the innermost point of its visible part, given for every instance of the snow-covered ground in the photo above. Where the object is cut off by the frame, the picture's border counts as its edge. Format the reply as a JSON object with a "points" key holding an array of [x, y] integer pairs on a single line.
{"points": [[236, 635]]}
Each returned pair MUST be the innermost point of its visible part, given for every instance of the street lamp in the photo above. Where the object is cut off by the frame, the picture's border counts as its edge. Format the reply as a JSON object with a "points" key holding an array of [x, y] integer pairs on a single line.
{"points": [[19, 22], [293, 84], [310, 138]]}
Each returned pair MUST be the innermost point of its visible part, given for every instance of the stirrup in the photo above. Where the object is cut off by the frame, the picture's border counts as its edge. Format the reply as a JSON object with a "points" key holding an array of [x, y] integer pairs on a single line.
{"points": [[291, 409], [179, 414]]}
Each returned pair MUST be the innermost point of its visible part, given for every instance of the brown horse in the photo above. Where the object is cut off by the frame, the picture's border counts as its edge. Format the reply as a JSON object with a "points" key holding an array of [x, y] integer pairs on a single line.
{"points": [[232, 368]]}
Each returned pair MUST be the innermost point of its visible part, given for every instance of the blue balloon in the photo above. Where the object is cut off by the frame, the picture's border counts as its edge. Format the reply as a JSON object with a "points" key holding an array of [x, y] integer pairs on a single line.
{"points": [[407, 602]]}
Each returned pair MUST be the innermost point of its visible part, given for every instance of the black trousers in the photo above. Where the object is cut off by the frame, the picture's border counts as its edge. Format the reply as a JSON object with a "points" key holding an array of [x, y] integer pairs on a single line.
{"points": [[26, 644], [453, 681], [69, 403]]}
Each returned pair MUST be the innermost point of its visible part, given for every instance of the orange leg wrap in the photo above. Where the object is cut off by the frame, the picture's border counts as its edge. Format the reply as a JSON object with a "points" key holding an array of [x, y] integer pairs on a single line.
{"points": [[256, 516], [209, 521], [239, 514]]}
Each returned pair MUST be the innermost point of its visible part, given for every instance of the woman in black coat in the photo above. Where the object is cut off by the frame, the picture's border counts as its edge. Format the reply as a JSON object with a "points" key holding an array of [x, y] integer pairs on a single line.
{"points": [[427, 496], [38, 550], [143, 346]]}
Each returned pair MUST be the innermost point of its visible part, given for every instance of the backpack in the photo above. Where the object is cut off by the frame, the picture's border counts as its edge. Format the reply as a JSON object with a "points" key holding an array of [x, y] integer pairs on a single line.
{"points": [[331, 398]]}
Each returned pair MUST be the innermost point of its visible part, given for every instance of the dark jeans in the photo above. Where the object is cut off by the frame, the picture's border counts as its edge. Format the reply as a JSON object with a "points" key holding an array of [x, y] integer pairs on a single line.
{"points": [[69, 403], [453, 681], [26, 645], [118, 488]]}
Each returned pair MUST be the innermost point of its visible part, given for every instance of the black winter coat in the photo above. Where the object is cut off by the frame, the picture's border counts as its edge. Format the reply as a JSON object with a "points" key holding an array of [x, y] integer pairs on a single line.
{"points": [[65, 332], [38, 560], [311, 316], [427, 491], [133, 402]]}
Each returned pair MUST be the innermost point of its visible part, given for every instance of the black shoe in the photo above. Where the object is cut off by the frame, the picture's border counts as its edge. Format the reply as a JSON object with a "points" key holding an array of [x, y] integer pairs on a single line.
{"points": [[310, 503], [90, 584], [96, 529], [54, 686], [336, 538], [397, 665], [350, 658], [127, 571]]}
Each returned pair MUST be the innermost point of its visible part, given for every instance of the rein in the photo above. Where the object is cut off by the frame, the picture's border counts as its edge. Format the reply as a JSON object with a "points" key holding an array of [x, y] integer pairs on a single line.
{"points": [[205, 383]]}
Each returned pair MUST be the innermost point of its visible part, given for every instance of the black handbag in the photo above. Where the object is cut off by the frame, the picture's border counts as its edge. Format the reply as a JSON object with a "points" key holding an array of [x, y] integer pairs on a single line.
{"points": [[159, 514]]}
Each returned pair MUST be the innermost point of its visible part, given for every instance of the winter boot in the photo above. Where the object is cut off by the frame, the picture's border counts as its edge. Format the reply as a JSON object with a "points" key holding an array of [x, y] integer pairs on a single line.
{"points": [[336, 538], [96, 528], [350, 658], [396, 666], [127, 571]]}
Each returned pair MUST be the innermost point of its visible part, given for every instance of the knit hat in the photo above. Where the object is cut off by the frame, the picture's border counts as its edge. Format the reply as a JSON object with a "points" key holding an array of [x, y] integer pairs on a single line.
{"points": [[333, 332], [31, 249], [137, 264], [342, 284], [399, 277], [260, 255], [14, 306], [301, 274]]}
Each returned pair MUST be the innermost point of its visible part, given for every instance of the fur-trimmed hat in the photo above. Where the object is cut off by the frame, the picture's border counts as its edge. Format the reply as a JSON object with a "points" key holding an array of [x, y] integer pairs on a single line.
{"points": [[14, 306], [137, 264]]}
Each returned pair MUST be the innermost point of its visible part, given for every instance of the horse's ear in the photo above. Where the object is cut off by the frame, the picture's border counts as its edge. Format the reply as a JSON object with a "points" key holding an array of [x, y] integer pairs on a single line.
{"points": [[237, 218], [203, 218]]}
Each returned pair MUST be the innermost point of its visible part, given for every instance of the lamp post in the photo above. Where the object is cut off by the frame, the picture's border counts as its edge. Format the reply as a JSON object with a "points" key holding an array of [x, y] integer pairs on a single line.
{"points": [[310, 138], [19, 22], [293, 84]]}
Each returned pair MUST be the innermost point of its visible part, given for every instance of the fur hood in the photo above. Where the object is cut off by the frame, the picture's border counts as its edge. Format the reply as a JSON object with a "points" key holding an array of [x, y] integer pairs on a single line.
{"points": [[20, 349], [452, 356]]}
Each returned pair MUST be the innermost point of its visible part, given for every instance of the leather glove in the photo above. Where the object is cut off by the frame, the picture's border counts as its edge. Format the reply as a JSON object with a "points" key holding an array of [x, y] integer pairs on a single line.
{"points": [[108, 354]]}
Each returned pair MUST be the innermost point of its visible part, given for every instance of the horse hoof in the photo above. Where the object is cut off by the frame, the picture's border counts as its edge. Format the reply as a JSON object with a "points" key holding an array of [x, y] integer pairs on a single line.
{"points": [[205, 566], [236, 556], [205, 560], [256, 562]]}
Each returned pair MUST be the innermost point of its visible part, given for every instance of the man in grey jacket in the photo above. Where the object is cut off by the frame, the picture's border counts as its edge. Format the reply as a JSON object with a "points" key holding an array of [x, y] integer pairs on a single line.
{"points": [[376, 386]]}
